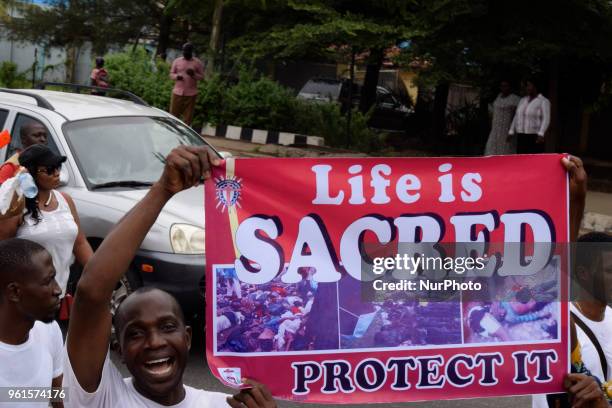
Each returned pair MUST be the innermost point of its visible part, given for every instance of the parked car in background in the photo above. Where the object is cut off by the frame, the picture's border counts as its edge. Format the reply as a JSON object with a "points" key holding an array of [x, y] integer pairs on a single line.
{"points": [[115, 151], [388, 113]]}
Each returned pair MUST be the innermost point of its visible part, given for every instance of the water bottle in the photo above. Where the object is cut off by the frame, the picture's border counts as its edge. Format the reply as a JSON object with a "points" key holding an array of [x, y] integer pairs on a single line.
{"points": [[27, 184]]}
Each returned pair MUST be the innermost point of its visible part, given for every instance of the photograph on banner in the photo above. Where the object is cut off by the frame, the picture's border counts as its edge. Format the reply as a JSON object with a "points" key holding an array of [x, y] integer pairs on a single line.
{"points": [[272, 317], [389, 279], [521, 308]]}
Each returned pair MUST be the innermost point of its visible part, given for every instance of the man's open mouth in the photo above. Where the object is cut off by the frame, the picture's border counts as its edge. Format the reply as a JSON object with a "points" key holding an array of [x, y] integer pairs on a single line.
{"points": [[159, 367]]}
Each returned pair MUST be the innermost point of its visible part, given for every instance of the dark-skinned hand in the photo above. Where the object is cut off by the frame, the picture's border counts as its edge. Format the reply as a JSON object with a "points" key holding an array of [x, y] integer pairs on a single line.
{"points": [[585, 391], [257, 397], [187, 166], [577, 177]]}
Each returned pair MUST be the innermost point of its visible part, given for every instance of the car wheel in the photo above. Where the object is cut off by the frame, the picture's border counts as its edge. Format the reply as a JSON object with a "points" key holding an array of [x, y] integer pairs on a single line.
{"points": [[127, 285]]}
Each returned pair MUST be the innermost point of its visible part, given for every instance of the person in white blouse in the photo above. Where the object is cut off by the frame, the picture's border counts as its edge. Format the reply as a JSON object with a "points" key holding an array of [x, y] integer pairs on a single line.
{"points": [[503, 109], [531, 120]]}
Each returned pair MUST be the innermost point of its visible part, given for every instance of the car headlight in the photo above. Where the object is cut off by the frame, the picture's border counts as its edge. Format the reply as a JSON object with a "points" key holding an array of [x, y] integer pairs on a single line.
{"points": [[187, 239]]}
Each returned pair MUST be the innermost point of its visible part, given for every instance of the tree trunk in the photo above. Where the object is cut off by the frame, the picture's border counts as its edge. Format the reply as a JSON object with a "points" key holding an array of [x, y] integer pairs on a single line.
{"points": [[552, 135], [72, 52], [370, 82], [585, 126], [439, 114], [163, 39], [215, 37], [349, 103]]}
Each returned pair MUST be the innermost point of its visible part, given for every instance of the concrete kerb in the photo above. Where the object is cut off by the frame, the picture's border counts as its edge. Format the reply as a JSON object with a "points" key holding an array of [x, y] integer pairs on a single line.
{"points": [[262, 136]]}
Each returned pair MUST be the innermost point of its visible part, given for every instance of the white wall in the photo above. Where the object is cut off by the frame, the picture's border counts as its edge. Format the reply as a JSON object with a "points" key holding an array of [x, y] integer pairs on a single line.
{"points": [[23, 54]]}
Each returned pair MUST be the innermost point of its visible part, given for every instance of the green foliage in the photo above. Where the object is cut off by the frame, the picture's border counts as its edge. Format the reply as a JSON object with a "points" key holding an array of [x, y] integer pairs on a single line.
{"points": [[260, 103], [297, 29], [138, 73], [252, 101], [10, 78], [476, 40]]}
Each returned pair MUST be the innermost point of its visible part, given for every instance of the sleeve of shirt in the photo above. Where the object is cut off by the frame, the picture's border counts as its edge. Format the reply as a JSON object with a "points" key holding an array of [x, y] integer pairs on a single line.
{"points": [[545, 117], [199, 70], [57, 342], [110, 389], [208, 399], [174, 70], [7, 170], [512, 129]]}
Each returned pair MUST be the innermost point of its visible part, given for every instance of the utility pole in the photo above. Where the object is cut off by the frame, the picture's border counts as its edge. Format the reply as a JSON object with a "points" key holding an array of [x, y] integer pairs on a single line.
{"points": [[34, 65]]}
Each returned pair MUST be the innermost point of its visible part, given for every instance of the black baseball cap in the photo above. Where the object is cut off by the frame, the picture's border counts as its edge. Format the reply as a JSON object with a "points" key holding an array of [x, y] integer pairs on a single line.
{"points": [[40, 155]]}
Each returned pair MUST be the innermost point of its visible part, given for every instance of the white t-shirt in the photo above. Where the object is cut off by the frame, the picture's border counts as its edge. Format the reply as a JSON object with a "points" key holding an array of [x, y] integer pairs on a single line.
{"points": [[590, 358], [34, 363], [115, 391], [603, 332]]}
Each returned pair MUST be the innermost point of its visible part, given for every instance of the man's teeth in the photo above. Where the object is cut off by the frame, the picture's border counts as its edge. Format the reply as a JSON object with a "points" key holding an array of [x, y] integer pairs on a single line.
{"points": [[161, 360], [161, 366]]}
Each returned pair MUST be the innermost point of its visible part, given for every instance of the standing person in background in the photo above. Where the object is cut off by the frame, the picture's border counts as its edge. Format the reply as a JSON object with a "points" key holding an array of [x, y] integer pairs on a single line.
{"points": [[99, 75], [51, 218], [504, 107], [186, 71], [531, 120]]}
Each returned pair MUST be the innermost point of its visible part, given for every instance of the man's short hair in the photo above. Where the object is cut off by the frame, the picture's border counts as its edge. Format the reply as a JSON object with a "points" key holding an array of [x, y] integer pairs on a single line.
{"points": [[118, 320], [16, 260], [590, 246], [24, 129]]}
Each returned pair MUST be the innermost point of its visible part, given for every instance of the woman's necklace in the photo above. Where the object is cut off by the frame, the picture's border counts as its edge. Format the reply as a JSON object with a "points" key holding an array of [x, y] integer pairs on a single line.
{"points": [[49, 199]]}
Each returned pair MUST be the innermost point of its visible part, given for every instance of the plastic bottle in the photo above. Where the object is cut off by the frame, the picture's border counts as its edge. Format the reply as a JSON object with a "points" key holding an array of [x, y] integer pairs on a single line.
{"points": [[27, 184]]}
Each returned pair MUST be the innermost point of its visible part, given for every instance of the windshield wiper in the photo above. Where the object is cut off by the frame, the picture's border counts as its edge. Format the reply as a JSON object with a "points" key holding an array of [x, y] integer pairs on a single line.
{"points": [[123, 183]]}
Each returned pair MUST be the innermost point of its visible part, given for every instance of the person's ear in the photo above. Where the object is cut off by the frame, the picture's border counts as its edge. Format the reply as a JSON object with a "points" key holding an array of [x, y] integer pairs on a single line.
{"points": [[188, 336], [115, 347], [583, 275], [13, 292]]}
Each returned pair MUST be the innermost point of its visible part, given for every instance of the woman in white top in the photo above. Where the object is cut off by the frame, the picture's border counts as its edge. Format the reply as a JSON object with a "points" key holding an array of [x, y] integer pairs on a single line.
{"points": [[531, 120], [50, 218], [504, 107]]}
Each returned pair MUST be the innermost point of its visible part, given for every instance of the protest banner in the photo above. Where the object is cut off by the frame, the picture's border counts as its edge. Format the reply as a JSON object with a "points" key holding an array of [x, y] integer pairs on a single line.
{"points": [[299, 298]]}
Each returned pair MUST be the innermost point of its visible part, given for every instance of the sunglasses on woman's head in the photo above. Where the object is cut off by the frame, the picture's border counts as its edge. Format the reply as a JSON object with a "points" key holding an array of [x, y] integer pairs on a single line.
{"points": [[50, 170]]}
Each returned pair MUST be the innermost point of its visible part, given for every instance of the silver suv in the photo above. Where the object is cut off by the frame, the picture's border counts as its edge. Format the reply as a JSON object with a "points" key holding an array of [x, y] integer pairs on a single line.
{"points": [[116, 150]]}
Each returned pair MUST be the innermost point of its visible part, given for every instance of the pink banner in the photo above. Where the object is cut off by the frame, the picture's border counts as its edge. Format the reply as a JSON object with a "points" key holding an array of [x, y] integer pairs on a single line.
{"points": [[315, 288]]}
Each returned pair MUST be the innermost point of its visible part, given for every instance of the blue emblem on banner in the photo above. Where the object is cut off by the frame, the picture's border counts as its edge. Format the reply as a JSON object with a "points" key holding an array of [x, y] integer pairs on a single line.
{"points": [[228, 192]]}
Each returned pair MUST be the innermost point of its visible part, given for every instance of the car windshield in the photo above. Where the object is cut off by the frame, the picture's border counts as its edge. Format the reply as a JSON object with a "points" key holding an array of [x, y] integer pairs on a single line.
{"points": [[323, 88], [125, 151]]}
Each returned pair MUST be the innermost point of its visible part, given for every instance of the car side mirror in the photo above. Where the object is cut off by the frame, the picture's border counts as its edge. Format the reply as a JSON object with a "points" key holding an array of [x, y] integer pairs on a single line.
{"points": [[64, 176]]}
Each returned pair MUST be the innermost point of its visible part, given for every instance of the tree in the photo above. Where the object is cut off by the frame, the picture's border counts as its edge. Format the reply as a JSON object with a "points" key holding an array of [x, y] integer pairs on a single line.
{"points": [[106, 23], [481, 41], [289, 29]]}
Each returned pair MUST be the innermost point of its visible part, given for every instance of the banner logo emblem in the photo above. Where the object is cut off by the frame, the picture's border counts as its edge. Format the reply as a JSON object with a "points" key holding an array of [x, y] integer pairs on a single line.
{"points": [[228, 192]]}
